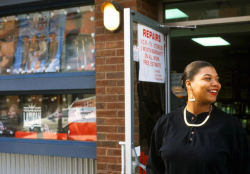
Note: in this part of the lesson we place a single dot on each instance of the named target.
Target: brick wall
(110, 87)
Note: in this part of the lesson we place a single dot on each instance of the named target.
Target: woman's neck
(196, 109)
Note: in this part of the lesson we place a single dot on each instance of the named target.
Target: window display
(49, 41)
(55, 117)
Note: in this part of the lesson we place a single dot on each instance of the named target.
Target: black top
(220, 146)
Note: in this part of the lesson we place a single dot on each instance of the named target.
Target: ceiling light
(211, 41)
(174, 13)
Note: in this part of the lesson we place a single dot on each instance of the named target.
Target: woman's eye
(208, 78)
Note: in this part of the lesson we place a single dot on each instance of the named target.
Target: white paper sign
(151, 55)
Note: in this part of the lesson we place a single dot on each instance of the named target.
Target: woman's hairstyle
(191, 70)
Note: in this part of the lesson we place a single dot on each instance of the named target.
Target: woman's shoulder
(172, 115)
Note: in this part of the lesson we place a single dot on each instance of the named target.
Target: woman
(199, 138)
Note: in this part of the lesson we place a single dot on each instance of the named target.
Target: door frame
(130, 17)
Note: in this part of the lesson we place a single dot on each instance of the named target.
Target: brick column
(110, 88)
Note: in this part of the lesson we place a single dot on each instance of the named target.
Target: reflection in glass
(59, 117)
(48, 41)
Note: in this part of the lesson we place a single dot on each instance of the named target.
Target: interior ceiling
(234, 56)
(238, 35)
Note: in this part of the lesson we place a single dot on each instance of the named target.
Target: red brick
(114, 152)
(105, 68)
(99, 60)
(145, 7)
(120, 52)
(136, 137)
(101, 136)
(99, 30)
(115, 75)
(107, 159)
(115, 44)
(115, 105)
(121, 113)
(120, 36)
(115, 90)
(120, 67)
(128, 4)
(97, 7)
(106, 113)
(99, 15)
(99, 75)
(103, 53)
(114, 60)
(100, 105)
(100, 90)
(121, 129)
(99, 22)
(106, 144)
(114, 167)
(106, 128)
(105, 37)
(102, 166)
(121, 98)
(106, 98)
(105, 82)
(100, 121)
(120, 82)
(118, 137)
(101, 151)
(99, 45)
(115, 121)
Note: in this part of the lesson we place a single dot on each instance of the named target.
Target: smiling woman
(199, 138)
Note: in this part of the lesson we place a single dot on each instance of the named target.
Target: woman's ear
(188, 84)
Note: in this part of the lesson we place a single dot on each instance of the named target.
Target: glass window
(55, 117)
(200, 10)
(60, 40)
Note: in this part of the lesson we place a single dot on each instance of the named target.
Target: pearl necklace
(196, 125)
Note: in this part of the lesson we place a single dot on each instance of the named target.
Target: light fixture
(28, 16)
(5, 19)
(16, 18)
(52, 13)
(78, 10)
(40, 15)
(91, 9)
(211, 41)
(65, 11)
(112, 16)
(174, 14)
(83, 67)
(92, 18)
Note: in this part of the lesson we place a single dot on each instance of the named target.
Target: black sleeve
(155, 164)
(241, 154)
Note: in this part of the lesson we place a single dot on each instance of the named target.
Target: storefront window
(60, 40)
(55, 117)
(200, 10)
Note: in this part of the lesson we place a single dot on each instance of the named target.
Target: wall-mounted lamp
(112, 16)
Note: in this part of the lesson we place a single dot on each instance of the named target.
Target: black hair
(191, 70)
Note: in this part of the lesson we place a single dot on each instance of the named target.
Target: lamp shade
(112, 16)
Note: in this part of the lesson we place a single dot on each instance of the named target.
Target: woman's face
(205, 85)
(12, 112)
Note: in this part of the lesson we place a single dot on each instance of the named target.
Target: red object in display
(82, 131)
(143, 160)
(55, 136)
(29, 135)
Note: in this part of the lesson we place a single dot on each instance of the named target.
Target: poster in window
(39, 44)
(79, 50)
(8, 43)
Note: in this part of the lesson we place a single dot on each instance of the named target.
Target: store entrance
(232, 62)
